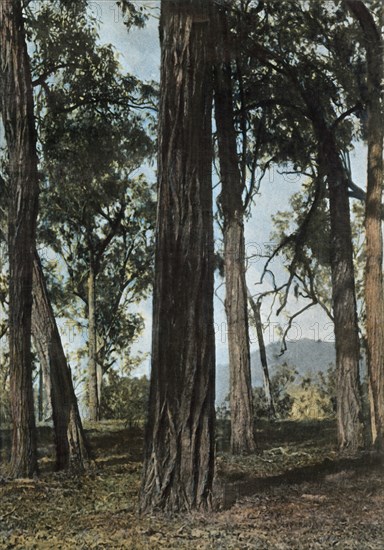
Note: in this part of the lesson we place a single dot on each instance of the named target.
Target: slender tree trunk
(349, 420)
(93, 395)
(179, 448)
(263, 354)
(99, 379)
(374, 291)
(40, 397)
(47, 387)
(242, 417)
(72, 450)
(19, 124)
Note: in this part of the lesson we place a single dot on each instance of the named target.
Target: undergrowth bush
(298, 397)
(281, 381)
(125, 398)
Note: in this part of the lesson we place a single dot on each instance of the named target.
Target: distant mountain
(307, 356)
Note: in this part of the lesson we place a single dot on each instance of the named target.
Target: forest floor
(299, 493)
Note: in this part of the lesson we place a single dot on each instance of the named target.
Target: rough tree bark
(374, 291)
(93, 393)
(179, 449)
(236, 308)
(72, 450)
(19, 125)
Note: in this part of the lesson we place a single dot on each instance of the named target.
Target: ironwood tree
(304, 87)
(233, 210)
(372, 41)
(17, 110)
(179, 441)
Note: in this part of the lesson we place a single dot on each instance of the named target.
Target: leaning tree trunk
(72, 450)
(349, 421)
(374, 297)
(263, 355)
(93, 394)
(179, 448)
(19, 125)
(242, 418)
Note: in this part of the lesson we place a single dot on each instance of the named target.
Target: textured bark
(242, 418)
(93, 393)
(20, 133)
(72, 450)
(374, 297)
(374, 274)
(349, 421)
(263, 354)
(179, 449)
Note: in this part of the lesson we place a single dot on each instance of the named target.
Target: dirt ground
(298, 493)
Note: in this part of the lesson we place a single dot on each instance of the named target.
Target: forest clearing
(191, 285)
(298, 493)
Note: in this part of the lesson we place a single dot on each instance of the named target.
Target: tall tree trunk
(349, 412)
(374, 297)
(242, 418)
(263, 355)
(350, 427)
(72, 450)
(93, 395)
(179, 448)
(19, 124)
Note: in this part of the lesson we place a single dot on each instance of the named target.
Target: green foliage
(135, 13)
(125, 398)
(308, 260)
(289, 52)
(315, 397)
(298, 398)
(281, 381)
(96, 206)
